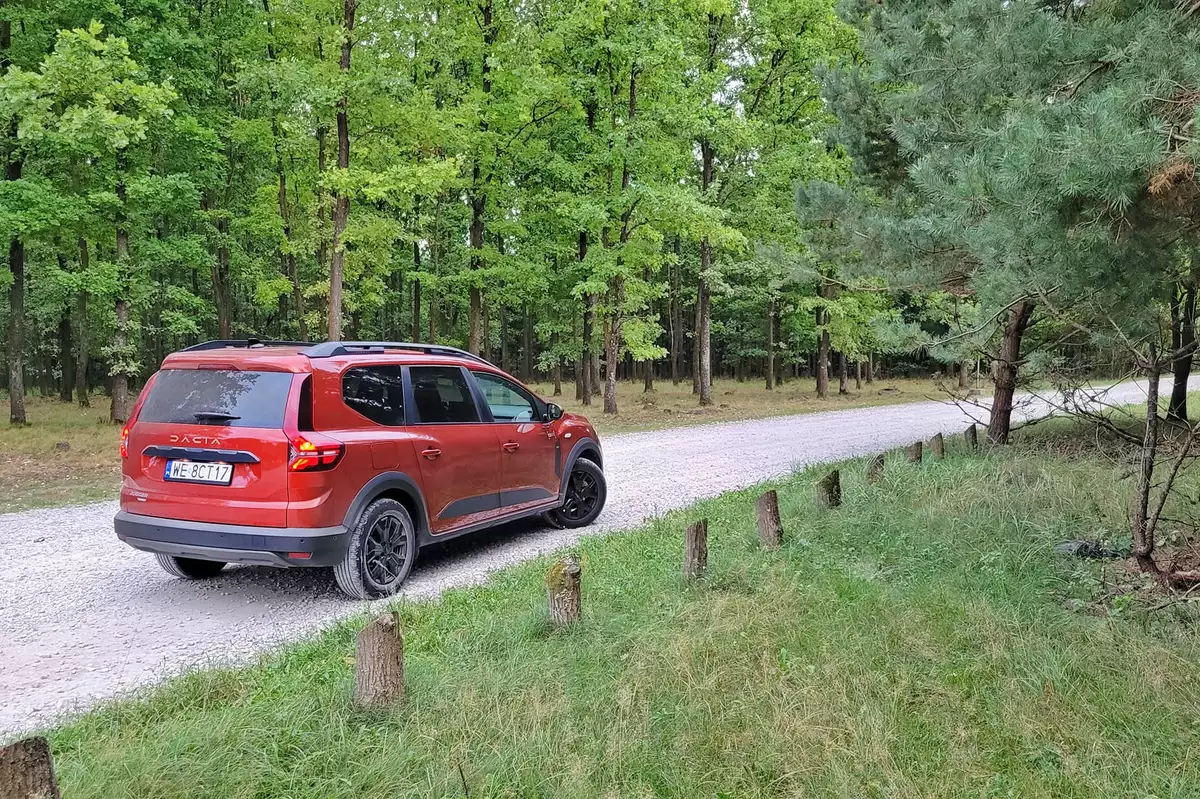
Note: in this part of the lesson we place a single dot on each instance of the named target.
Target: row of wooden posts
(379, 663)
(27, 772)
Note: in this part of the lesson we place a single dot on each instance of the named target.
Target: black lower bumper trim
(232, 543)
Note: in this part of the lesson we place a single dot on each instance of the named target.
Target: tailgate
(229, 422)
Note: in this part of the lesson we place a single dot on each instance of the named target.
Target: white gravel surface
(85, 617)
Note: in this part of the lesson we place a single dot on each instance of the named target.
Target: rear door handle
(511, 446)
(431, 453)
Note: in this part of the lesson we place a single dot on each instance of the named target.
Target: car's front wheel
(586, 492)
(382, 548)
(189, 568)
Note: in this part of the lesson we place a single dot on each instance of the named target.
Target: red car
(346, 454)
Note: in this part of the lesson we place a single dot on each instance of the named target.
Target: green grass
(915, 643)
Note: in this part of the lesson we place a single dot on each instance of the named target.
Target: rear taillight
(137, 408)
(311, 452)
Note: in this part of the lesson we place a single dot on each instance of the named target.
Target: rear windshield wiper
(225, 417)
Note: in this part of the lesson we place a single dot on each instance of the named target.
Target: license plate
(193, 472)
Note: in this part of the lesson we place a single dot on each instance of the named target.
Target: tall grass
(913, 643)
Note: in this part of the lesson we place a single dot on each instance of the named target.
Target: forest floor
(922, 640)
(68, 455)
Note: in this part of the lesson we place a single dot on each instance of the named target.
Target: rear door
(528, 468)
(208, 445)
(458, 453)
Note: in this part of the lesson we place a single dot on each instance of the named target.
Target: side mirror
(553, 411)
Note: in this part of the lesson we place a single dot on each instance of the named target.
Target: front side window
(377, 392)
(441, 395)
(507, 402)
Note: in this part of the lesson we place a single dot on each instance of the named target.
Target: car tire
(189, 568)
(382, 548)
(586, 493)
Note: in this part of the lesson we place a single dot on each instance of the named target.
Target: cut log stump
(875, 469)
(770, 529)
(562, 592)
(695, 550)
(971, 436)
(829, 490)
(27, 770)
(937, 445)
(379, 663)
(914, 452)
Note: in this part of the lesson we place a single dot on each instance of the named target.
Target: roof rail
(220, 344)
(331, 349)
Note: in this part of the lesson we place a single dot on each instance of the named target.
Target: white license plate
(193, 472)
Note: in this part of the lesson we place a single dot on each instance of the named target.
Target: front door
(458, 452)
(529, 469)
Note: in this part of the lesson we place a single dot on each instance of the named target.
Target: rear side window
(377, 392)
(218, 397)
(442, 395)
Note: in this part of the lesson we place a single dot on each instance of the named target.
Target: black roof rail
(220, 344)
(332, 349)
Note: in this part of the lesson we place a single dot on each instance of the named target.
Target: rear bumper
(232, 543)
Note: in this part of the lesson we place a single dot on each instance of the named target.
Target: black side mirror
(553, 412)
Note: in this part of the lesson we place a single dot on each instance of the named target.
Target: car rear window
(218, 397)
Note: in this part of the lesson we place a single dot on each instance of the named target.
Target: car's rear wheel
(189, 568)
(383, 546)
(586, 493)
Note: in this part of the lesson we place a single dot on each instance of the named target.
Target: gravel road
(85, 617)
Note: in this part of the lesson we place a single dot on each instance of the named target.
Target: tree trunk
(66, 356)
(870, 368)
(695, 550)
(416, 293)
(674, 315)
(16, 323)
(341, 197)
(696, 349)
(612, 343)
(703, 337)
(379, 663)
(563, 592)
(527, 347)
(1005, 372)
(858, 376)
(322, 235)
(1184, 330)
(823, 363)
(770, 368)
(82, 344)
(556, 368)
(121, 349)
(964, 374)
(478, 195)
(842, 374)
(580, 376)
(1143, 525)
(766, 513)
(222, 295)
(594, 351)
(27, 770)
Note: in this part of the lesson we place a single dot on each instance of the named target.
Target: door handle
(511, 446)
(431, 454)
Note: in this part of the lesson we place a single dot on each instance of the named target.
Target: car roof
(298, 356)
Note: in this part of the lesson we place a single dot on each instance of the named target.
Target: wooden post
(695, 550)
(937, 445)
(770, 529)
(27, 771)
(875, 469)
(829, 490)
(379, 663)
(562, 590)
(914, 452)
(972, 438)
